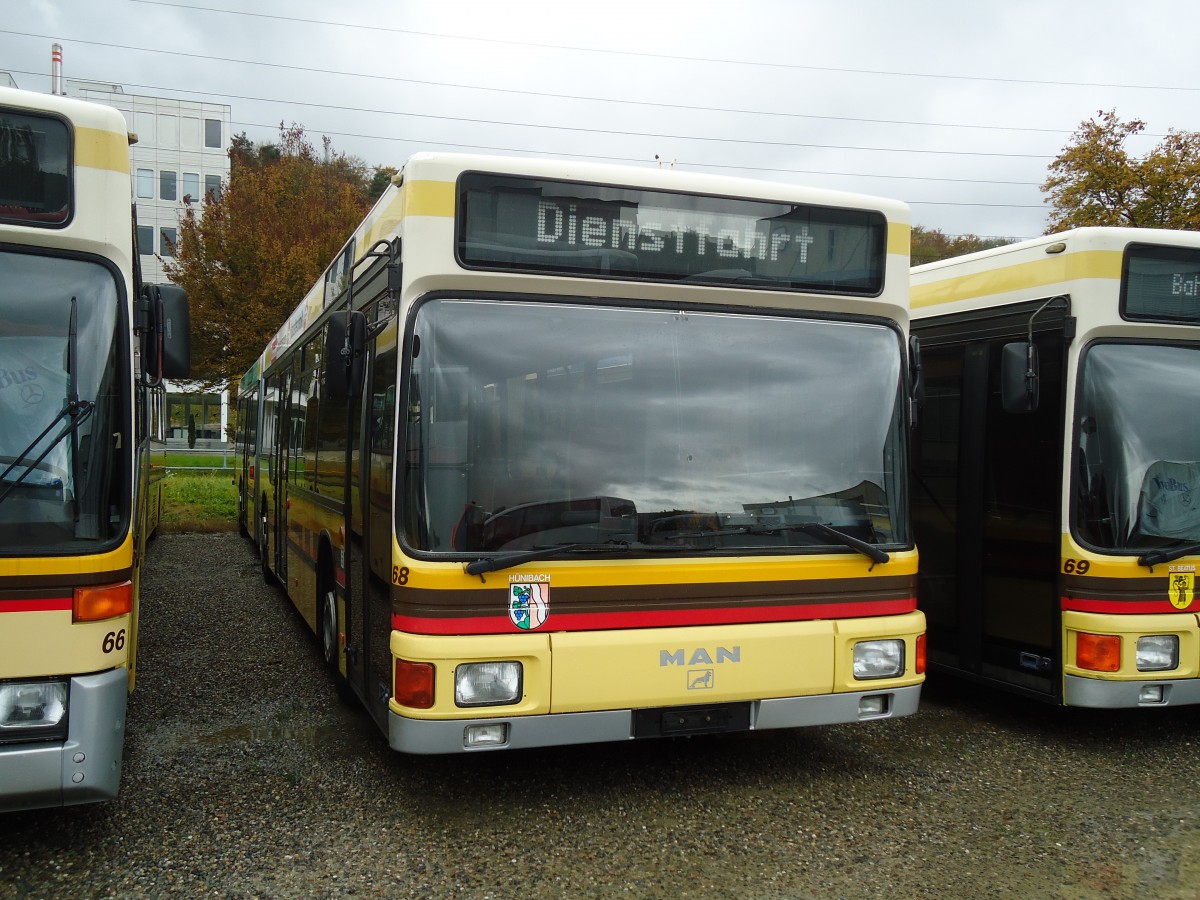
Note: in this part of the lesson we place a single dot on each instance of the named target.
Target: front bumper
(84, 768)
(448, 736)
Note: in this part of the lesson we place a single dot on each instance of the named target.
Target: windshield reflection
(60, 404)
(1139, 447)
(536, 424)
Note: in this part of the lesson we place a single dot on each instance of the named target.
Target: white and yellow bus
(1056, 490)
(76, 417)
(559, 453)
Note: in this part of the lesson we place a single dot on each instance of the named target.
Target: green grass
(204, 502)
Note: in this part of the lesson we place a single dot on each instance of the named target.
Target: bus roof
(81, 113)
(426, 186)
(1039, 267)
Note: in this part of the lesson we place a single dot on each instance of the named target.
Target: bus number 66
(114, 640)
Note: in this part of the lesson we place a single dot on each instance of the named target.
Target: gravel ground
(244, 776)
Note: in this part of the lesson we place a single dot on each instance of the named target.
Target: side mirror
(917, 373)
(1019, 377)
(175, 325)
(345, 345)
(163, 320)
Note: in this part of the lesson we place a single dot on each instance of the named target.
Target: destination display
(1161, 284)
(601, 231)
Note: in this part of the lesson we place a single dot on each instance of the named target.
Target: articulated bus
(1056, 490)
(558, 453)
(82, 349)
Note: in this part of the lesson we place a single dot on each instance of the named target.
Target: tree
(930, 245)
(1095, 181)
(259, 246)
(381, 177)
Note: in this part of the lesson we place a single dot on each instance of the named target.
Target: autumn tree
(252, 253)
(930, 245)
(1095, 180)
(381, 177)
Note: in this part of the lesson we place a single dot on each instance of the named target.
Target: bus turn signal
(414, 684)
(1098, 652)
(102, 602)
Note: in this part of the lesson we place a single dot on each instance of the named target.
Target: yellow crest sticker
(1181, 586)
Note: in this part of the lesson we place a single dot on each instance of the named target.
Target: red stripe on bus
(656, 618)
(1119, 607)
(36, 605)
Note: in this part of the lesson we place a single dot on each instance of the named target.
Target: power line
(572, 128)
(543, 94)
(634, 159)
(375, 27)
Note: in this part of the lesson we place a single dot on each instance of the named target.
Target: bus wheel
(328, 631)
(329, 628)
(262, 552)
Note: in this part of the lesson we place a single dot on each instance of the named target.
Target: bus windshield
(1139, 447)
(536, 424)
(60, 486)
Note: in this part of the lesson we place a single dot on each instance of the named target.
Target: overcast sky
(954, 107)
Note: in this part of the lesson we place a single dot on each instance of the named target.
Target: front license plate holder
(678, 721)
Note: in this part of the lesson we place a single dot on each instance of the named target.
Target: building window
(212, 187)
(194, 417)
(168, 240)
(145, 238)
(168, 131)
(167, 186)
(144, 123)
(191, 187)
(189, 132)
(145, 183)
(212, 133)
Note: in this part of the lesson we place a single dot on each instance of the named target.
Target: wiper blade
(820, 529)
(78, 411)
(1157, 557)
(870, 551)
(516, 558)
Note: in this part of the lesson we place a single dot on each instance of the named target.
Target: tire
(327, 635)
(268, 576)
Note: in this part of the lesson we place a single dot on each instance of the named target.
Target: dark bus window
(35, 170)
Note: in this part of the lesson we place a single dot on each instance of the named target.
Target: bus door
(373, 602)
(986, 500)
(275, 442)
(244, 447)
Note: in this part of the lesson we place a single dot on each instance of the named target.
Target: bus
(557, 453)
(1057, 464)
(83, 347)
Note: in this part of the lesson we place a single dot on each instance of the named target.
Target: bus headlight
(1157, 652)
(487, 683)
(33, 710)
(878, 659)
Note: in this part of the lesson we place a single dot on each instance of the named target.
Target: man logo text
(699, 657)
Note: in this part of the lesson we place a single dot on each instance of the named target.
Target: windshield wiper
(816, 528)
(1153, 558)
(78, 411)
(517, 557)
